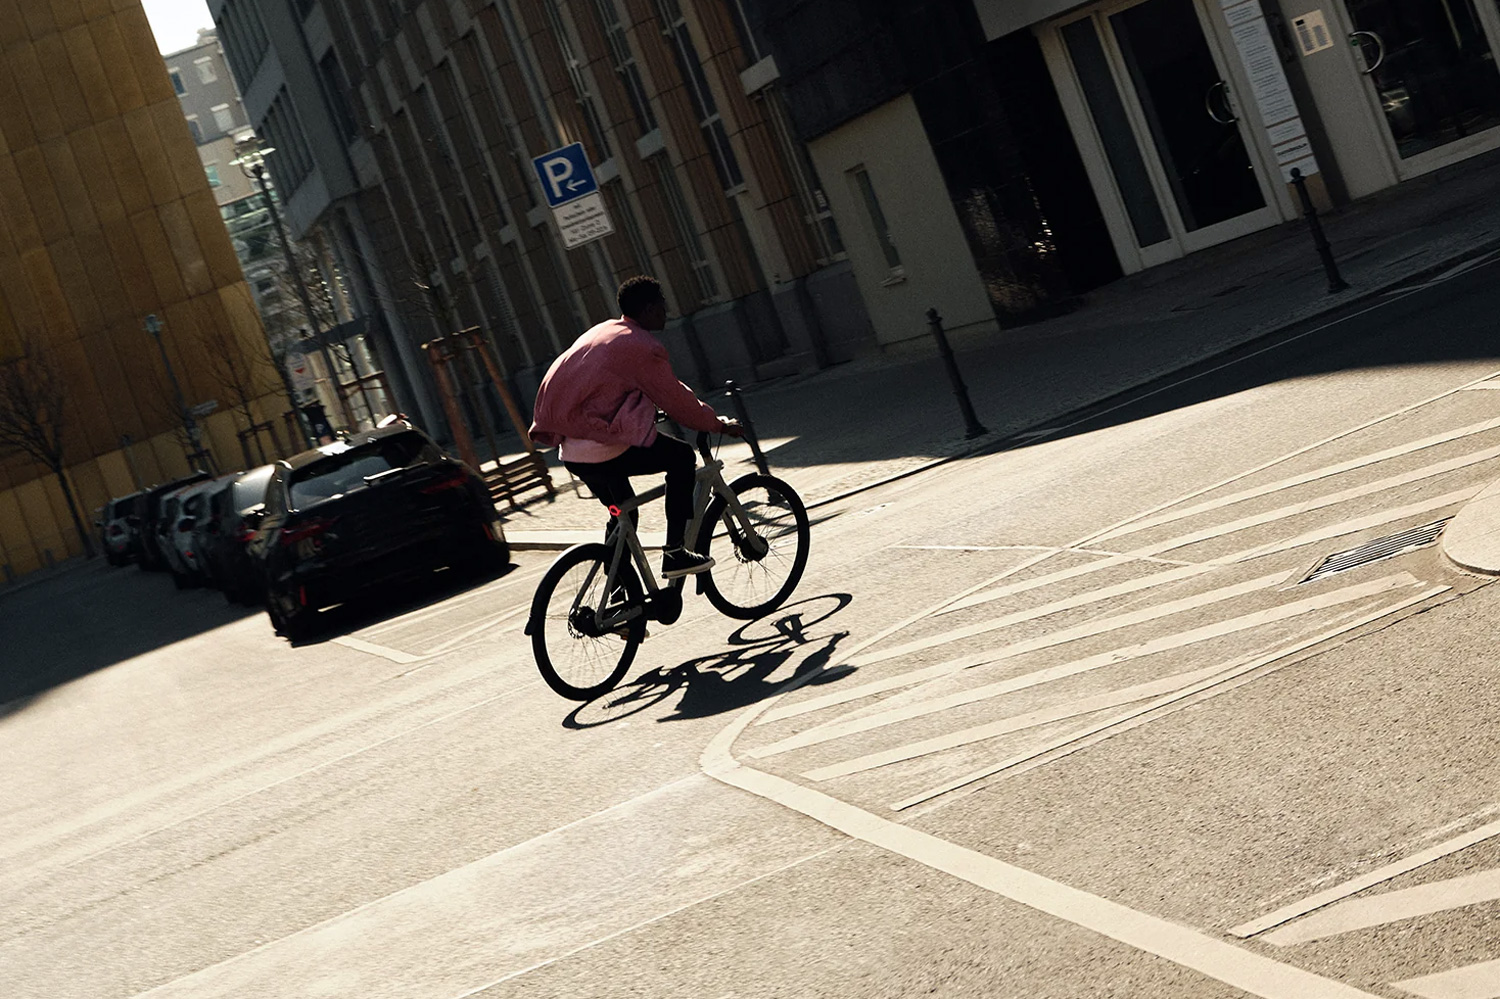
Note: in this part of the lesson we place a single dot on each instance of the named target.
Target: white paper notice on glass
(1312, 32)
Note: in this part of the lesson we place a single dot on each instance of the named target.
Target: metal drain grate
(1373, 551)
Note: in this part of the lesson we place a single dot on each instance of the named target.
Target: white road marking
(1164, 643)
(1015, 723)
(1364, 881)
(1236, 675)
(1200, 952)
(1390, 907)
(1086, 630)
(1330, 531)
(479, 628)
(1332, 499)
(371, 649)
(1475, 981)
(1298, 480)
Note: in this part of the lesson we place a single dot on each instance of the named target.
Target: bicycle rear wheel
(754, 574)
(573, 656)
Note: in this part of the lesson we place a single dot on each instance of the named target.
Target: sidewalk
(861, 423)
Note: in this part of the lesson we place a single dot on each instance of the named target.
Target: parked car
(169, 514)
(385, 504)
(192, 510)
(146, 511)
(225, 548)
(116, 534)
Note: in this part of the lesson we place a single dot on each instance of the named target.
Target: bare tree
(33, 419)
(244, 376)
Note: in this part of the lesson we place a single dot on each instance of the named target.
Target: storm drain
(1373, 551)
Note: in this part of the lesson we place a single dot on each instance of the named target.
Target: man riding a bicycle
(598, 403)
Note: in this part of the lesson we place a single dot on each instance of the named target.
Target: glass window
(177, 84)
(345, 472)
(877, 217)
(206, 71)
(223, 118)
(212, 169)
(687, 231)
(674, 27)
(196, 129)
(622, 57)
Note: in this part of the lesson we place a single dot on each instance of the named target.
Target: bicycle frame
(707, 482)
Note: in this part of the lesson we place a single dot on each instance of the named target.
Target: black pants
(610, 480)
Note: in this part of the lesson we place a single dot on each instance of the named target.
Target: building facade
(998, 158)
(427, 115)
(106, 218)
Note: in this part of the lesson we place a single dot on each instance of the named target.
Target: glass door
(1431, 68)
(1166, 123)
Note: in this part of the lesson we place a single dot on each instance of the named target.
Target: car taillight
(306, 529)
(245, 533)
(455, 481)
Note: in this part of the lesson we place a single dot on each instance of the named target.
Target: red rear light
(306, 529)
(455, 481)
(245, 533)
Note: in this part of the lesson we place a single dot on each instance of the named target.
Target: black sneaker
(681, 562)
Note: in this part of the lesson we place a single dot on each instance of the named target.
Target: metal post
(189, 424)
(733, 391)
(1336, 282)
(259, 171)
(972, 427)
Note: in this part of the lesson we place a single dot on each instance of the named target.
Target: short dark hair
(637, 293)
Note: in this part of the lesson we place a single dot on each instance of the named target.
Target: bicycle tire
(738, 569)
(553, 634)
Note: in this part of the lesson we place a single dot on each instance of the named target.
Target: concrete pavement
(855, 425)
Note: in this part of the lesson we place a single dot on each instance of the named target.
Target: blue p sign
(565, 174)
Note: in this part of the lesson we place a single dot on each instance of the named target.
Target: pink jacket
(607, 388)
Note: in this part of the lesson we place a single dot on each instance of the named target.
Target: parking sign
(565, 174)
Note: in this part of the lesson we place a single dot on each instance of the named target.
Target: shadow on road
(742, 675)
(384, 603)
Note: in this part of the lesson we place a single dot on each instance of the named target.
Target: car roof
(314, 455)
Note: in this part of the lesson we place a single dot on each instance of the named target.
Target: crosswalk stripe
(1217, 629)
(1298, 480)
(1392, 906)
(1086, 630)
(1378, 876)
(1015, 723)
(1354, 526)
(1474, 981)
(1295, 509)
(1235, 674)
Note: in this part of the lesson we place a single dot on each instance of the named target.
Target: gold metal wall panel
(67, 180)
(36, 181)
(83, 56)
(191, 266)
(72, 110)
(124, 166)
(157, 253)
(124, 86)
(103, 196)
(151, 154)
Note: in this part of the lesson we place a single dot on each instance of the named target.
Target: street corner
(1471, 540)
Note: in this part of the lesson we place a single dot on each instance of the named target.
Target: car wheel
(293, 624)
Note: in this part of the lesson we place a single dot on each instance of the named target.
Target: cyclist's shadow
(748, 672)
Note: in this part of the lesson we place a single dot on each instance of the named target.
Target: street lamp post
(252, 163)
(189, 423)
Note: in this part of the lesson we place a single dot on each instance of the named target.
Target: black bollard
(1336, 282)
(972, 427)
(733, 391)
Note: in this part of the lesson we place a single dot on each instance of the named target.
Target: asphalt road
(1067, 720)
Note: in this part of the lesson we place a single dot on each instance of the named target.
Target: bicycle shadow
(745, 674)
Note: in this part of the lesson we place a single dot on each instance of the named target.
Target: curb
(1029, 435)
(1471, 541)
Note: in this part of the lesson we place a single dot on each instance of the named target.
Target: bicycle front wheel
(576, 657)
(755, 572)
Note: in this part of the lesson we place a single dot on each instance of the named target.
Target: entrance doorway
(1159, 125)
(1431, 70)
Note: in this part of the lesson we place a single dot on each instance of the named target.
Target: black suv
(381, 505)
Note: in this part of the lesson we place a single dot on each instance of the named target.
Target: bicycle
(589, 614)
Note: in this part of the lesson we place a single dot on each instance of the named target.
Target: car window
(346, 471)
